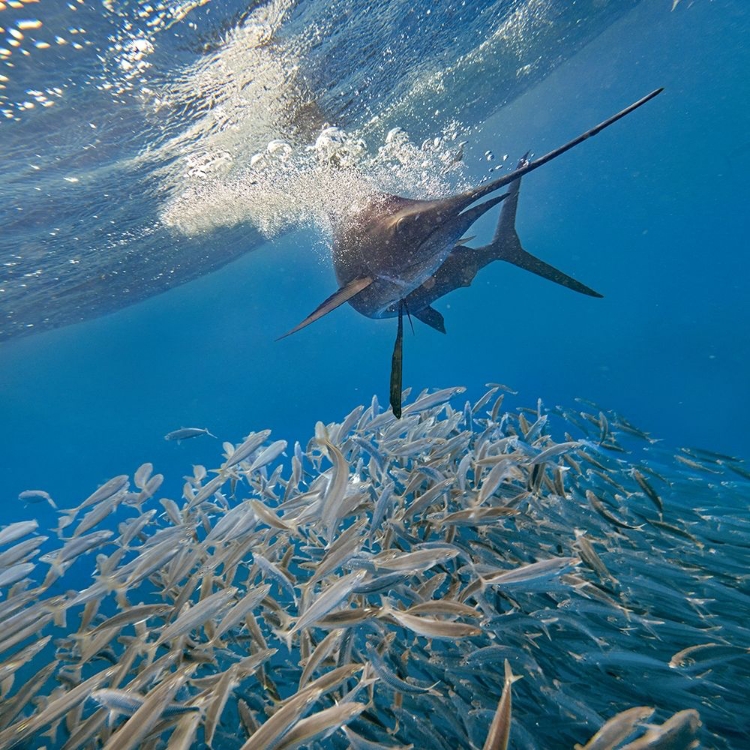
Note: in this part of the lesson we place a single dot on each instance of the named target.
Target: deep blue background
(653, 213)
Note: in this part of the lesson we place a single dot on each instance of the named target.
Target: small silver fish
(328, 600)
(18, 530)
(16, 573)
(679, 731)
(617, 729)
(185, 433)
(429, 627)
(539, 570)
(37, 496)
(499, 734)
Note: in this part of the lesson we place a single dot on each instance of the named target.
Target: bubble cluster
(285, 185)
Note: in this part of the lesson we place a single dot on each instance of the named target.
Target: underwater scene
(288, 460)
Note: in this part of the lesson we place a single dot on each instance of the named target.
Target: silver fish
(136, 614)
(543, 569)
(679, 731)
(185, 433)
(328, 600)
(617, 729)
(416, 561)
(228, 681)
(499, 734)
(37, 496)
(267, 455)
(197, 615)
(273, 730)
(431, 628)
(139, 725)
(246, 449)
(15, 531)
(554, 450)
(21, 551)
(320, 723)
(127, 703)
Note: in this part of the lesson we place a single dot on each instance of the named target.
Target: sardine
(37, 496)
(185, 433)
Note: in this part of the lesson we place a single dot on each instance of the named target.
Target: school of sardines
(457, 578)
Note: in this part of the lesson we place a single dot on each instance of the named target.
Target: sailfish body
(396, 255)
(398, 244)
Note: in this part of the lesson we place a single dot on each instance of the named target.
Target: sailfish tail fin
(506, 224)
(506, 244)
(529, 262)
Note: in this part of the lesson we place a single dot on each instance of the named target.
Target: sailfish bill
(392, 253)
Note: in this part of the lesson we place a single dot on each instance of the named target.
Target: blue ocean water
(652, 213)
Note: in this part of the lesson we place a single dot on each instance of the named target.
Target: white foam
(314, 185)
(257, 151)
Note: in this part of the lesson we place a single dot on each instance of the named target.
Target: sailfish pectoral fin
(335, 300)
(397, 364)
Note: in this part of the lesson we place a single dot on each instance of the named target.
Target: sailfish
(398, 255)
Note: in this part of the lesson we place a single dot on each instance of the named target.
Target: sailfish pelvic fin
(397, 364)
(431, 317)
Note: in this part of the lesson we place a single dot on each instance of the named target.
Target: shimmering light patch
(249, 160)
(180, 12)
(120, 63)
(283, 185)
(125, 41)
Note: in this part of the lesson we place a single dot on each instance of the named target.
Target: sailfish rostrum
(398, 255)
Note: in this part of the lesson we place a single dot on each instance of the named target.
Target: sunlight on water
(259, 151)
(176, 121)
(284, 186)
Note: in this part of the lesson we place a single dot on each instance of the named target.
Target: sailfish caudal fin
(519, 257)
(463, 263)
(506, 245)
